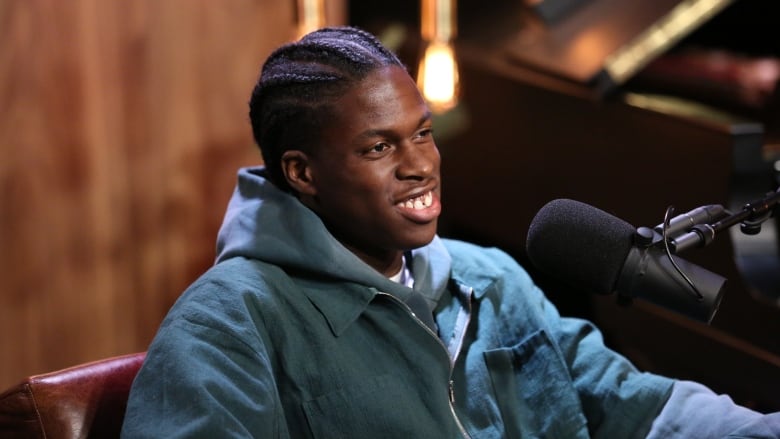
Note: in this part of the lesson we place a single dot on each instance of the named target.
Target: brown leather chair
(84, 401)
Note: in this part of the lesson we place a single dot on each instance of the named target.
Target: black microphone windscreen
(580, 245)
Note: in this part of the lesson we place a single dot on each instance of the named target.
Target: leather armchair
(84, 401)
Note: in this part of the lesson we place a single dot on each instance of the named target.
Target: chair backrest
(84, 401)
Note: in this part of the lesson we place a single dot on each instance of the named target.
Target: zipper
(451, 383)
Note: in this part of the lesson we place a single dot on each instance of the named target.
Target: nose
(418, 162)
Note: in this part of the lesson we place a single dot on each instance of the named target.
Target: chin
(419, 241)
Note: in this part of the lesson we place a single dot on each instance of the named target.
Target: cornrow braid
(299, 83)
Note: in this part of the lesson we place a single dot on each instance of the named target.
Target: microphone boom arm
(750, 218)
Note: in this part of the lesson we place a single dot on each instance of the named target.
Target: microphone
(590, 249)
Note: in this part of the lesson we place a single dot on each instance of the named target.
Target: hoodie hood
(264, 223)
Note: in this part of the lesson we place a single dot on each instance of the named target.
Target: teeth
(420, 202)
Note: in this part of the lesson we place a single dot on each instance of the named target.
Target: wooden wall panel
(121, 127)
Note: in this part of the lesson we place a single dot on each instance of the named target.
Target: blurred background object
(310, 15)
(437, 74)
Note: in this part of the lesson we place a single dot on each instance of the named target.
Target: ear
(296, 169)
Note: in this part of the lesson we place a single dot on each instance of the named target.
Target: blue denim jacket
(290, 335)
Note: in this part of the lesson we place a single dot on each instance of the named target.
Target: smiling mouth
(424, 201)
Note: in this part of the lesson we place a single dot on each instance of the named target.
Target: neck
(387, 263)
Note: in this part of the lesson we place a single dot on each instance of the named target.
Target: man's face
(375, 175)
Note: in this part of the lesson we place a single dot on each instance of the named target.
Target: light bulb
(437, 76)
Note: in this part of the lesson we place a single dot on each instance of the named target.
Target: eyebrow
(367, 134)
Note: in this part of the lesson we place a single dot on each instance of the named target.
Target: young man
(334, 310)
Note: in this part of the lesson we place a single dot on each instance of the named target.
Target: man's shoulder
(470, 253)
(241, 269)
(232, 295)
(469, 260)
(237, 276)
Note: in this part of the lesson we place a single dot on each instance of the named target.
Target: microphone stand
(750, 218)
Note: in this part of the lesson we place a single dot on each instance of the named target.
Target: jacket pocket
(534, 390)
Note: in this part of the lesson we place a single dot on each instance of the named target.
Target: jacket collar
(431, 271)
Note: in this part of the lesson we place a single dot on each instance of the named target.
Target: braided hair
(300, 82)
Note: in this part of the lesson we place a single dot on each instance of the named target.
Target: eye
(425, 133)
(379, 147)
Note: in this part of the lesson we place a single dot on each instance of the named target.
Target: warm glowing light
(311, 16)
(437, 20)
(437, 77)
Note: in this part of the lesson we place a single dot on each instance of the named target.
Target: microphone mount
(653, 256)
(750, 218)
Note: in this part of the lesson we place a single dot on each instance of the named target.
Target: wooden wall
(122, 124)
